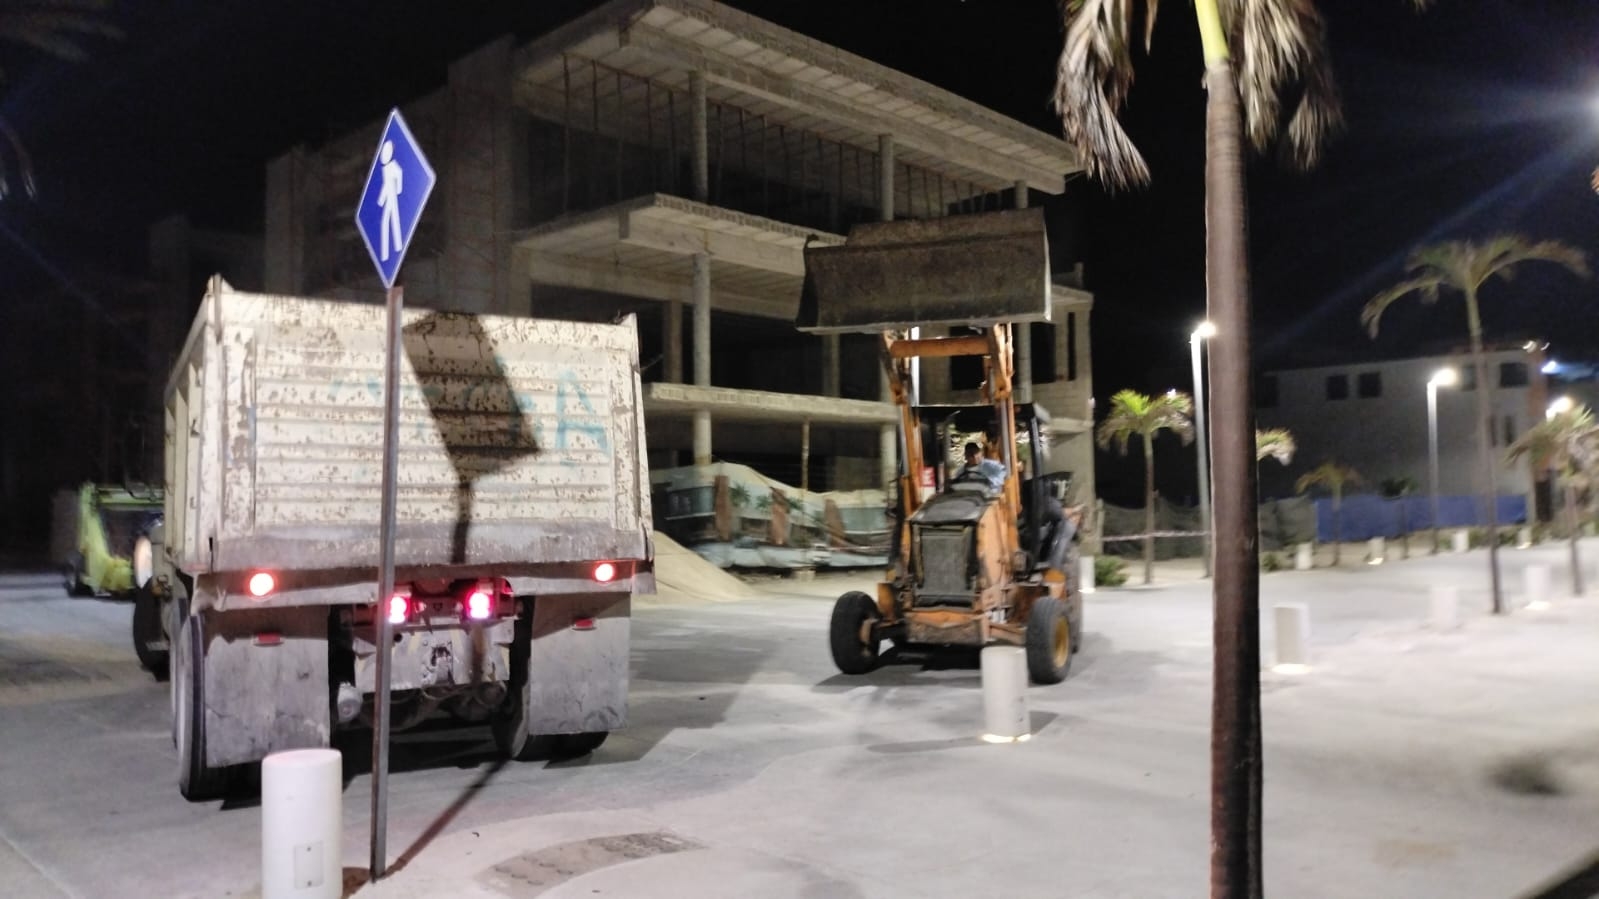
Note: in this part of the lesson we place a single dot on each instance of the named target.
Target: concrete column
(1023, 332)
(887, 438)
(702, 354)
(672, 341)
(699, 124)
(832, 362)
(885, 177)
(888, 455)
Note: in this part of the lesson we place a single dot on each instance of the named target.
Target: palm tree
(56, 28)
(1332, 477)
(1465, 267)
(1275, 443)
(1564, 441)
(1132, 414)
(1283, 86)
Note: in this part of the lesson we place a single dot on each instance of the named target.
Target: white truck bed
(521, 440)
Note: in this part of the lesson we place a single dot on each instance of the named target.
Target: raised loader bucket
(958, 270)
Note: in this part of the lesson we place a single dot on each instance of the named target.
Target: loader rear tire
(854, 653)
(1049, 641)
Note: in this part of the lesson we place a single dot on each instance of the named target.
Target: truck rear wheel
(197, 781)
(149, 634)
(854, 646)
(1049, 641)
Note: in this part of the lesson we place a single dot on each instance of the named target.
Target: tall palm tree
(1132, 414)
(55, 28)
(1332, 477)
(1464, 266)
(1564, 442)
(1282, 87)
(1275, 443)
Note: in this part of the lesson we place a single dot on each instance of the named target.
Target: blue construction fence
(1367, 515)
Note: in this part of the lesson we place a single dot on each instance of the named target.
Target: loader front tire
(853, 635)
(1049, 641)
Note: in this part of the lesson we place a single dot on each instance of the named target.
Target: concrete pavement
(1407, 762)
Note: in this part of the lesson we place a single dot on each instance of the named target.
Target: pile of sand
(681, 575)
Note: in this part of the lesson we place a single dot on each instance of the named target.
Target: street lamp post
(1205, 329)
(1445, 377)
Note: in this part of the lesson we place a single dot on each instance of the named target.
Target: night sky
(1476, 117)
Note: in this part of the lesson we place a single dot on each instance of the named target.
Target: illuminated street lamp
(1205, 330)
(1443, 377)
(1560, 406)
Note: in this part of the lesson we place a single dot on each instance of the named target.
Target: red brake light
(399, 608)
(479, 605)
(262, 583)
(605, 572)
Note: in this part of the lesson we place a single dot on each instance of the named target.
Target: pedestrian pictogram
(397, 188)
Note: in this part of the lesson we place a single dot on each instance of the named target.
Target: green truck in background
(102, 538)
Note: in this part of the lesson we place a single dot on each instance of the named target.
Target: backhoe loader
(981, 560)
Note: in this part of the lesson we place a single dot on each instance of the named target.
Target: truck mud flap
(266, 683)
(578, 663)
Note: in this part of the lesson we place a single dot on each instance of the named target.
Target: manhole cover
(534, 873)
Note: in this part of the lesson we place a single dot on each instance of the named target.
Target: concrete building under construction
(671, 159)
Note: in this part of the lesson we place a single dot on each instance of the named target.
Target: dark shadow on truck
(488, 432)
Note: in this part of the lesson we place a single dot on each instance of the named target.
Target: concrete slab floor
(1406, 762)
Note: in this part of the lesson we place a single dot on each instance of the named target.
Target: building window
(1266, 392)
(1369, 385)
(1043, 338)
(1338, 387)
(1512, 374)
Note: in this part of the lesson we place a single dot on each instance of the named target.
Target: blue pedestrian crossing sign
(391, 204)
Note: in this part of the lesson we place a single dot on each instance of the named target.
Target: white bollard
(1302, 558)
(1375, 548)
(1085, 573)
(1535, 581)
(1460, 541)
(1524, 538)
(302, 853)
(1293, 635)
(1445, 608)
(1005, 717)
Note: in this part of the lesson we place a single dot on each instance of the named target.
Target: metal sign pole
(384, 640)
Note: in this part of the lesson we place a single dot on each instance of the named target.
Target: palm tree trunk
(1485, 434)
(1149, 509)
(1338, 526)
(1235, 748)
(1571, 519)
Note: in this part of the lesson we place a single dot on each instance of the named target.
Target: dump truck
(987, 557)
(101, 537)
(522, 528)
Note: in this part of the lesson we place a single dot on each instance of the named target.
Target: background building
(1373, 417)
(671, 159)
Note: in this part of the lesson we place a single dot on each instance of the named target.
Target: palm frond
(1371, 313)
(1133, 414)
(1331, 475)
(1275, 443)
(1284, 75)
(1093, 76)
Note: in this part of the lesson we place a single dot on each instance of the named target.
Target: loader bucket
(958, 270)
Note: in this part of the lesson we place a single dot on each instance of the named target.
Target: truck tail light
(605, 572)
(479, 605)
(583, 624)
(399, 610)
(261, 583)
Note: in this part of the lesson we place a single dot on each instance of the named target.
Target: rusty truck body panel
(521, 474)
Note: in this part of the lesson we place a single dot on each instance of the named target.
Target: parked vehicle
(523, 526)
